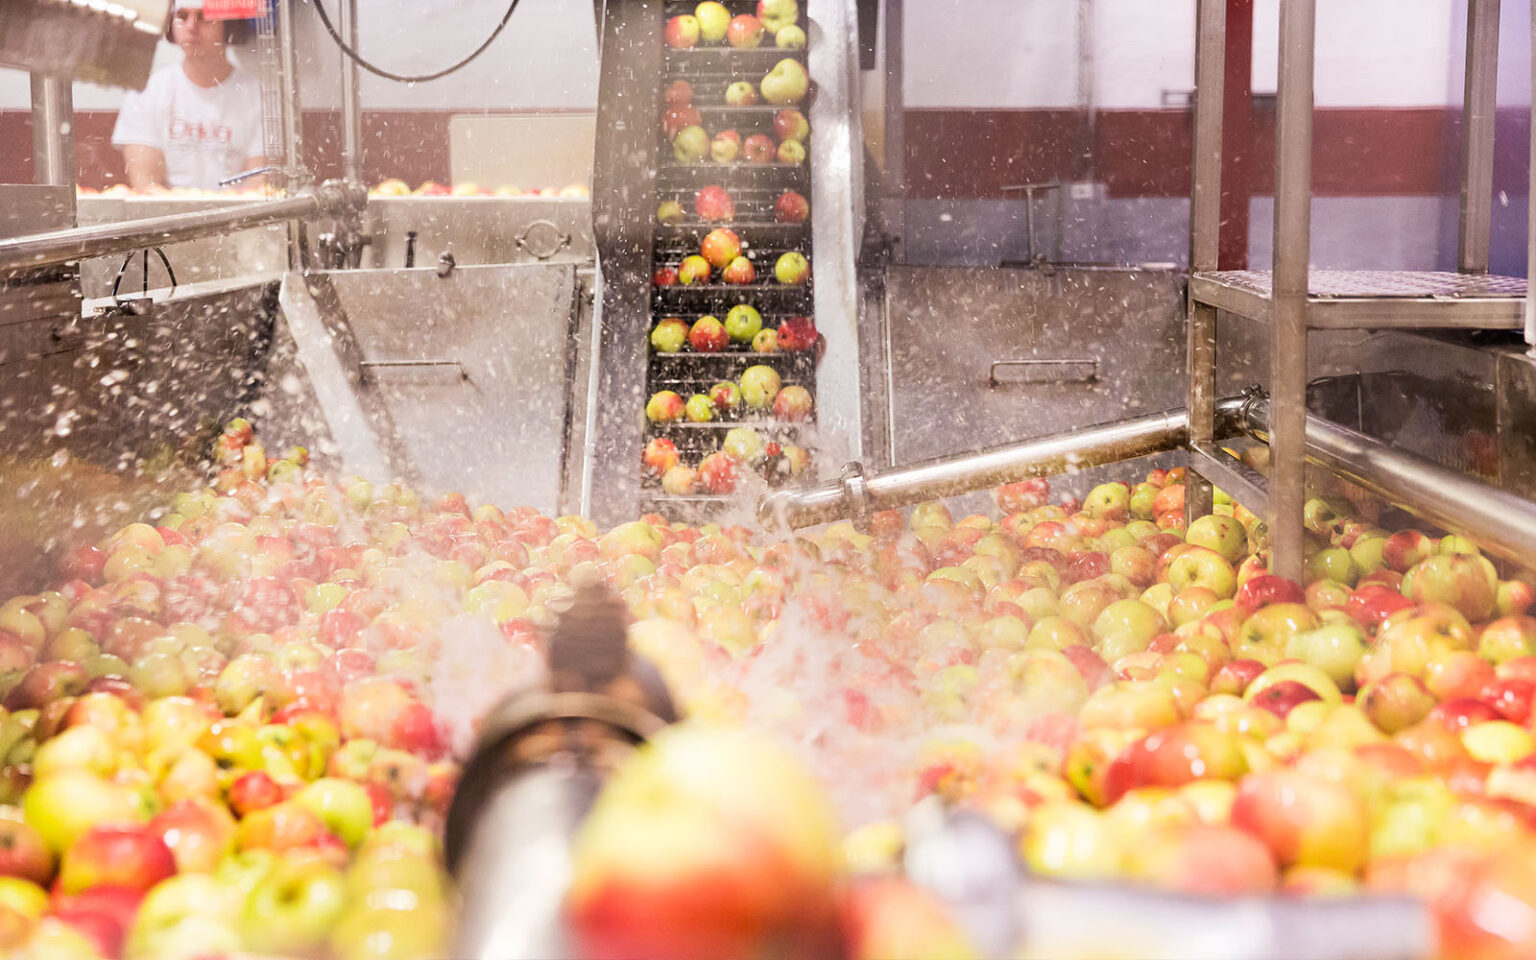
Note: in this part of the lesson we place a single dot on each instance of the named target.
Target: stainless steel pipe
(1500, 522)
(856, 495)
(64, 246)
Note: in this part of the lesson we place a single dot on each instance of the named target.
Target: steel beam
(1477, 128)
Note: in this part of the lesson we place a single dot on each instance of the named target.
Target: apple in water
(740, 93)
(669, 211)
(694, 270)
(660, 456)
(798, 333)
(713, 202)
(793, 403)
(664, 406)
(23, 853)
(342, 805)
(789, 38)
(791, 207)
(721, 245)
(743, 322)
(786, 83)
(759, 148)
(745, 445)
(790, 124)
(766, 341)
(1461, 580)
(665, 277)
(707, 335)
(760, 383)
(699, 409)
(739, 271)
(777, 14)
(682, 31)
(1303, 819)
(131, 856)
(679, 480)
(725, 146)
(718, 473)
(669, 335)
(791, 151)
(713, 19)
(744, 32)
(726, 397)
(293, 910)
(791, 268)
(679, 93)
(1225, 535)
(691, 144)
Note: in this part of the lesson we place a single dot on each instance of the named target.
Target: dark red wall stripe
(961, 153)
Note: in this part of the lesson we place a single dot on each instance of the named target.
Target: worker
(198, 122)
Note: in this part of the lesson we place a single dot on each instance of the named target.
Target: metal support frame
(53, 132)
(351, 102)
(1205, 236)
(293, 119)
(1530, 262)
(1477, 129)
(1293, 250)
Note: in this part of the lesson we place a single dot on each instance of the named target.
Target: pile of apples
(722, 250)
(431, 188)
(745, 451)
(712, 23)
(224, 731)
(743, 327)
(682, 124)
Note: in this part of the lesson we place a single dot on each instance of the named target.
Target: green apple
(691, 144)
(760, 383)
(292, 911)
(786, 83)
(1202, 567)
(669, 335)
(789, 38)
(1335, 648)
(742, 322)
(23, 896)
(1107, 499)
(1367, 554)
(65, 805)
(380, 933)
(1333, 563)
(344, 806)
(1129, 617)
(778, 14)
(669, 211)
(186, 916)
(699, 409)
(713, 18)
(1225, 535)
(791, 268)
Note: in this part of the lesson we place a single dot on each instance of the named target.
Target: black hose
(399, 77)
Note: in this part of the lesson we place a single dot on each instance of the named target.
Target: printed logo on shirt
(183, 129)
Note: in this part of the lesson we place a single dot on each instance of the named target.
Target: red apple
(714, 203)
(1305, 821)
(676, 118)
(198, 833)
(22, 851)
(759, 148)
(718, 473)
(707, 335)
(744, 32)
(123, 856)
(797, 334)
(693, 271)
(720, 247)
(738, 271)
(791, 207)
(660, 456)
(682, 31)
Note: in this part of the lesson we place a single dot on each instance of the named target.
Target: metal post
(1477, 127)
(895, 201)
(53, 133)
(293, 120)
(1292, 251)
(1205, 236)
(351, 102)
(1530, 236)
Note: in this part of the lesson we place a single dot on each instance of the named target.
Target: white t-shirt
(206, 134)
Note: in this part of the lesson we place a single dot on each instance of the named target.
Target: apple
(1507, 638)
(185, 917)
(744, 32)
(759, 386)
(726, 397)
(124, 856)
(62, 807)
(739, 271)
(720, 246)
(792, 403)
(679, 480)
(342, 805)
(660, 456)
(713, 202)
(679, 93)
(749, 839)
(664, 406)
(1303, 820)
(1223, 534)
(665, 276)
(669, 211)
(23, 853)
(674, 119)
(791, 268)
(717, 473)
(1236, 676)
(293, 910)
(199, 833)
(789, 38)
(1070, 841)
(1513, 598)
(759, 148)
(1335, 648)
(790, 124)
(799, 333)
(669, 335)
(742, 322)
(690, 144)
(740, 93)
(766, 341)
(698, 409)
(1406, 548)
(725, 146)
(1202, 567)
(791, 207)
(693, 271)
(708, 335)
(683, 31)
(713, 19)
(778, 14)
(791, 151)
(1461, 580)
(786, 84)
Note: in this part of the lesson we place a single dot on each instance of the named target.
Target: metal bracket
(855, 494)
(401, 364)
(559, 241)
(1089, 362)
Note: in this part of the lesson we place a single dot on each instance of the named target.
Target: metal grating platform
(1375, 298)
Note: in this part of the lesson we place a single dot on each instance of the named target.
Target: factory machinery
(500, 347)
